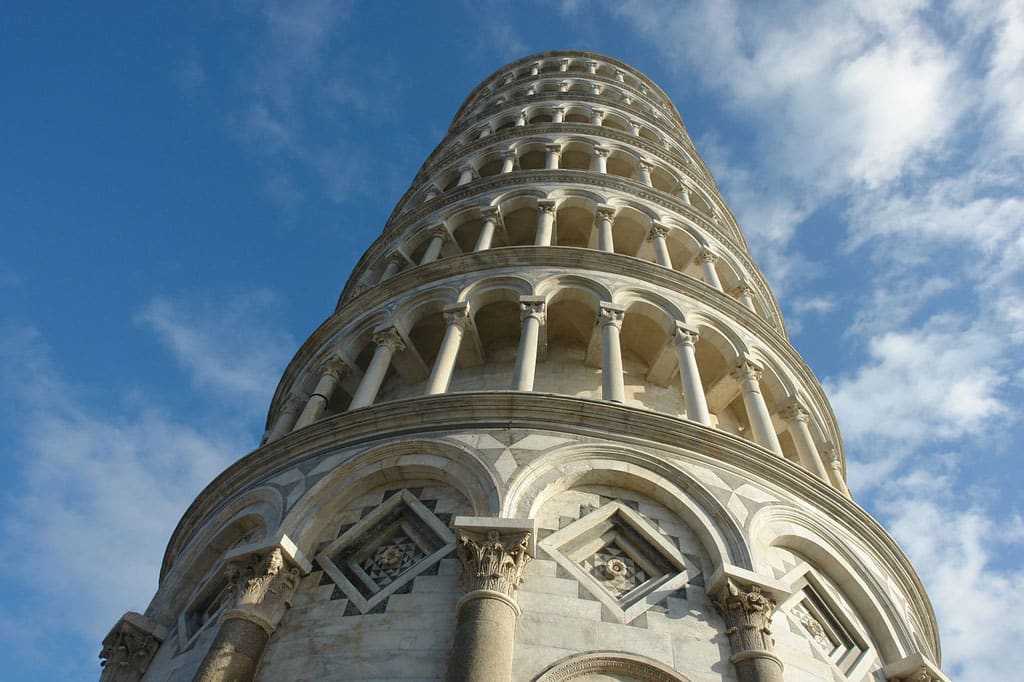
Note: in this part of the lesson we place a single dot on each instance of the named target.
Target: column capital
(620, 75)
(457, 314)
(491, 213)
(596, 88)
(746, 368)
(793, 411)
(390, 338)
(494, 552)
(602, 151)
(129, 647)
(657, 230)
(563, 64)
(706, 255)
(830, 454)
(558, 107)
(532, 306)
(546, 205)
(645, 164)
(610, 314)
(591, 65)
(563, 86)
(743, 289)
(262, 586)
(508, 154)
(685, 335)
(441, 231)
(335, 367)
(605, 211)
(748, 615)
(553, 147)
(534, 68)
(597, 113)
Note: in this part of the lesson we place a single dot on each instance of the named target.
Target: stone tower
(554, 430)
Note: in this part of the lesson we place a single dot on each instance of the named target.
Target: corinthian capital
(748, 617)
(494, 553)
(129, 647)
(262, 586)
(389, 337)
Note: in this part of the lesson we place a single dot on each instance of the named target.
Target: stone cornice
(419, 417)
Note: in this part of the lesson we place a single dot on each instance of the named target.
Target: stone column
(285, 420)
(612, 387)
(620, 75)
(558, 114)
(545, 222)
(491, 217)
(707, 259)
(388, 341)
(554, 152)
(534, 68)
(466, 175)
(457, 319)
(635, 125)
(129, 648)
(748, 618)
(262, 587)
(596, 89)
(657, 237)
(563, 86)
(645, 173)
(685, 339)
(684, 194)
(748, 374)
(394, 263)
(596, 116)
(438, 237)
(486, 131)
(521, 118)
(745, 295)
(563, 65)
(605, 215)
(591, 67)
(797, 418)
(532, 315)
(331, 374)
(601, 159)
(835, 470)
(494, 554)
(508, 161)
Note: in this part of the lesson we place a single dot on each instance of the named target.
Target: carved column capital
(611, 314)
(602, 151)
(546, 205)
(794, 411)
(746, 369)
(742, 289)
(457, 314)
(262, 585)
(645, 165)
(491, 213)
(129, 648)
(530, 306)
(494, 553)
(748, 616)
(441, 231)
(706, 255)
(657, 230)
(597, 114)
(335, 367)
(685, 336)
(606, 212)
(390, 338)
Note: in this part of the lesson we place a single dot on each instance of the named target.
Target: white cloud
(814, 304)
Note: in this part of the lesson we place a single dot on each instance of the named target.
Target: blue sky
(183, 192)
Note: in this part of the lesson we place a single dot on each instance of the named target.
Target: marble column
(605, 215)
(534, 68)
(684, 194)
(508, 161)
(591, 67)
(457, 320)
(596, 89)
(521, 118)
(620, 75)
(438, 237)
(391, 269)
(129, 647)
(491, 218)
(563, 86)
(657, 237)
(707, 259)
(645, 173)
(262, 588)
(531, 310)
(748, 616)
(601, 159)
(494, 554)
(613, 387)
(545, 222)
(596, 116)
(563, 65)
(285, 420)
(388, 342)
(744, 293)
(635, 126)
(685, 339)
(466, 175)
(331, 373)
(748, 374)
(835, 470)
(797, 418)
(554, 152)
(558, 114)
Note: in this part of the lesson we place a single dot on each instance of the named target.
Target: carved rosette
(129, 648)
(263, 587)
(493, 561)
(748, 617)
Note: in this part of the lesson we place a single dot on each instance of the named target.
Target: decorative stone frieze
(129, 648)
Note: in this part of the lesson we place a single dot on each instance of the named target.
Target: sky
(184, 188)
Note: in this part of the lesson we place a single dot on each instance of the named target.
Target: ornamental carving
(261, 586)
(129, 648)
(389, 338)
(611, 315)
(492, 561)
(748, 617)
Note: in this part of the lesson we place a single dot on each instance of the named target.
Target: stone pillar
(457, 320)
(532, 315)
(437, 239)
(563, 86)
(563, 65)
(466, 175)
(596, 89)
(494, 554)
(554, 152)
(612, 387)
(689, 376)
(657, 237)
(591, 66)
(534, 68)
(797, 418)
(605, 215)
(748, 618)
(394, 263)
(558, 114)
(635, 126)
(748, 374)
(545, 222)
(331, 374)
(388, 341)
(645, 173)
(620, 75)
(521, 118)
(835, 470)
(601, 159)
(707, 259)
(745, 295)
(684, 194)
(508, 161)
(596, 116)
(285, 420)
(129, 648)
(491, 217)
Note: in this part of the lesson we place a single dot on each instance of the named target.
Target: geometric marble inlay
(390, 546)
(621, 558)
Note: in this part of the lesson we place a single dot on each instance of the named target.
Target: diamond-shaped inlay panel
(388, 547)
(621, 558)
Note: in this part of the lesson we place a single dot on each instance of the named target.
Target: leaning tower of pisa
(553, 430)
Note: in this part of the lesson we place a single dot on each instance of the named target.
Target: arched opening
(574, 223)
(629, 230)
(622, 164)
(575, 156)
(571, 321)
(648, 360)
